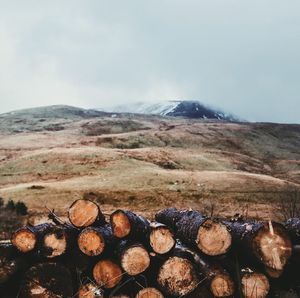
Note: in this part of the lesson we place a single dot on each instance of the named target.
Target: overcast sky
(241, 56)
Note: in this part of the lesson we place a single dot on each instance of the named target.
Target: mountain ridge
(176, 108)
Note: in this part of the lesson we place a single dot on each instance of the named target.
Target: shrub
(11, 205)
(21, 208)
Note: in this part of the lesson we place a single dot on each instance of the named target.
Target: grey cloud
(242, 56)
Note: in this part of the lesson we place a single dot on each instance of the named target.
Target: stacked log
(183, 253)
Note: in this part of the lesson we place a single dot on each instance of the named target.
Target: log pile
(182, 253)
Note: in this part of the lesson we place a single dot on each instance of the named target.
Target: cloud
(241, 56)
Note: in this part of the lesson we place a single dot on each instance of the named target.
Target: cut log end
(135, 260)
(91, 242)
(162, 240)
(24, 240)
(177, 276)
(90, 290)
(255, 285)
(55, 244)
(149, 293)
(83, 213)
(222, 286)
(120, 224)
(213, 238)
(107, 274)
(272, 246)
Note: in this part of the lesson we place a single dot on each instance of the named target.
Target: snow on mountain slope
(175, 108)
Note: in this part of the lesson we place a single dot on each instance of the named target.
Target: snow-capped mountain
(175, 108)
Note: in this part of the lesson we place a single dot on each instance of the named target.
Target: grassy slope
(148, 162)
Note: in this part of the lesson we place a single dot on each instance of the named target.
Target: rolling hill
(145, 162)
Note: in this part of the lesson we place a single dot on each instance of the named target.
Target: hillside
(148, 162)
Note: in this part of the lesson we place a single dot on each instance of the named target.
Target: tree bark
(47, 280)
(47, 240)
(209, 235)
(92, 241)
(83, 213)
(268, 242)
(128, 224)
(217, 279)
(161, 238)
(10, 262)
(293, 227)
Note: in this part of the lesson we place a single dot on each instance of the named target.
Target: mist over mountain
(175, 108)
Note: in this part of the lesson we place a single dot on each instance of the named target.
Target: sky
(239, 55)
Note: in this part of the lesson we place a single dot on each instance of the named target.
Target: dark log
(268, 242)
(200, 292)
(47, 239)
(134, 257)
(293, 227)
(92, 241)
(90, 290)
(177, 275)
(149, 293)
(83, 213)
(10, 262)
(128, 224)
(210, 236)
(161, 238)
(217, 279)
(56, 240)
(296, 253)
(254, 284)
(107, 274)
(47, 280)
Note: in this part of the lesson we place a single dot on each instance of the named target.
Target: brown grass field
(145, 163)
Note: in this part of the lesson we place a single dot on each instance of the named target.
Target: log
(47, 280)
(25, 238)
(10, 263)
(92, 241)
(177, 275)
(209, 235)
(55, 240)
(254, 284)
(149, 293)
(128, 224)
(134, 257)
(47, 239)
(268, 242)
(161, 238)
(293, 227)
(83, 213)
(217, 279)
(90, 290)
(107, 273)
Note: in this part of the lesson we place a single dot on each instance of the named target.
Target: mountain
(54, 111)
(49, 118)
(175, 108)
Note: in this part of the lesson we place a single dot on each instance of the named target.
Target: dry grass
(239, 168)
